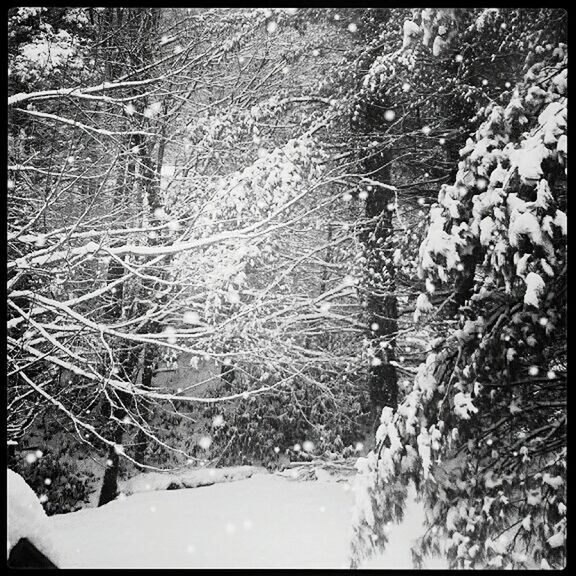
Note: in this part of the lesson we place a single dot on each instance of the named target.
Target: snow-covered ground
(265, 521)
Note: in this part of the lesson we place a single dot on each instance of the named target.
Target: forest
(289, 238)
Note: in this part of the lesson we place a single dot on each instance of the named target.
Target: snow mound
(264, 521)
(320, 470)
(26, 517)
(187, 478)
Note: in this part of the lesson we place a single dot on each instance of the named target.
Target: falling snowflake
(170, 333)
(174, 225)
(218, 421)
(205, 442)
(191, 317)
(271, 26)
(47, 481)
(426, 130)
(152, 110)
(308, 445)
(481, 183)
(389, 115)
(230, 528)
(160, 213)
(374, 326)
(233, 297)
(352, 27)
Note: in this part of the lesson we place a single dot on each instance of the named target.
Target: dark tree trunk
(140, 30)
(381, 304)
(109, 489)
(141, 441)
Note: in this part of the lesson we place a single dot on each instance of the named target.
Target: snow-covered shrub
(482, 427)
(47, 45)
(57, 481)
(296, 422)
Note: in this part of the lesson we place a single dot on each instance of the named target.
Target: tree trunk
(109, 489)
(137, 184)
(381, 304)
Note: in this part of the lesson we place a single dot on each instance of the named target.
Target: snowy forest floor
(264, 521)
